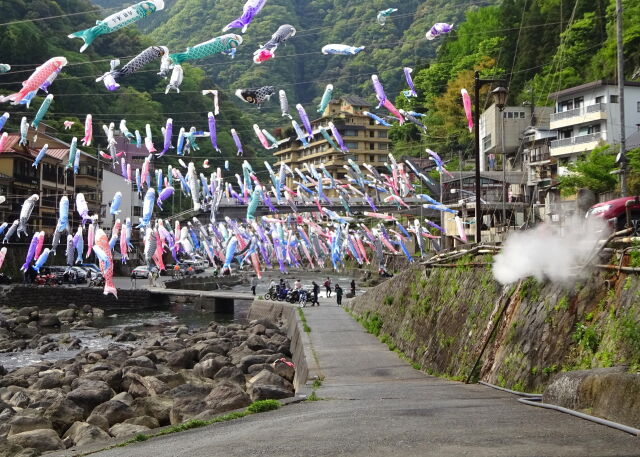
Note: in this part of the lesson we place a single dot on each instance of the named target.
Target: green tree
(591, 172)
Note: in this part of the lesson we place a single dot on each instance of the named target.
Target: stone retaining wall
(22, 296)
(300, 342)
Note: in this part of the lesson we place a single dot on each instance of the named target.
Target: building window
(486, 142)
(137, 211)
(351, 144)
(372, 134)
(565, 106)
(522, 114)
(578, 102)
(599, 99)
(372, 122)
(350, 132)
(383, 133)
(613, 98)
(639, 107)
(372, 146)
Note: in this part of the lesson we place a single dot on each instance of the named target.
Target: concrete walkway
(375, 404)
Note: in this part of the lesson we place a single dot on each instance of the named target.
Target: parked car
(197, 266)
(81, 274)
(614, 212)
(141, 272)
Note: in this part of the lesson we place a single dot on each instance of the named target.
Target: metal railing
(574, 140)
(595, 108)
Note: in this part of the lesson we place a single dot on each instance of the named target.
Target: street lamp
(499, 97)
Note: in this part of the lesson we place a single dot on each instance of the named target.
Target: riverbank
(160, 377)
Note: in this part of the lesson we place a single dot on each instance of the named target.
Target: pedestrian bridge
(219, 301)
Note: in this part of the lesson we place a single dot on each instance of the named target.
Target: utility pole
(623, 142)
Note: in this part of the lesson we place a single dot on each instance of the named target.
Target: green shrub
(260, 406)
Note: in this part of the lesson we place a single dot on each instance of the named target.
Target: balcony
(576, 144)
(581, 115)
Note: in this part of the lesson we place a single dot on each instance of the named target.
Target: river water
(177, 314)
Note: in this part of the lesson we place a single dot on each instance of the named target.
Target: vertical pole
(504, 172)
(623, 143)
(476, 121)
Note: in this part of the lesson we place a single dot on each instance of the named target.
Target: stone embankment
(440, 318)
(159, 378)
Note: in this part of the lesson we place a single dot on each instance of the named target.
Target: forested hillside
(141, 98)
(536, 46)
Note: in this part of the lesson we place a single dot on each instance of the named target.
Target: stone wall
(300, 343)
(440, 318)
(21, 296)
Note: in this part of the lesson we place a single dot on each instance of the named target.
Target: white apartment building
(131, 205)
(589, 115)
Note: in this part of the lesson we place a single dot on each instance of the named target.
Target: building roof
(512, 177)
(12, 141)
(354, 100)
(590, 86)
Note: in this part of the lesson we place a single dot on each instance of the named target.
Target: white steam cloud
(548, 253)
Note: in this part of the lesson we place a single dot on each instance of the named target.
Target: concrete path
(375, 404)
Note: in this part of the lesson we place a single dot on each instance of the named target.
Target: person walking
(338, 294)
(327, 286)
(133, 279)
(316, 291)
(353, 287)
(254, 284)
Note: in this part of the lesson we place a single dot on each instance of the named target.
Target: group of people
(315, 291)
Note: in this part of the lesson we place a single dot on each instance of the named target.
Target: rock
(208, 368)
(234, 374)
(66, 315)
(25, 331)
(113, 411)
(82, 434)
(227, 396)
(158, 407)
(48, 320)
(28, 452)
(124, 397)
(42, 439)
(255, 343)
(122, 430)
(44, 398)
(258, 329)
(188, 401)
(141, 361)
(19, 400)
(253, 359)
(47, 382)
(88, 396)
(183, 358)
(142, 386)
(97, 312)
(147, 421)
(257, 368)
(99, 421)
(125, 336)
(63, 413)
(27, 420)
(266, 385)
(284, 369)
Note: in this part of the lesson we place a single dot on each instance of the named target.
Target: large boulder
(142, 361)
(122, 430)
(63, 413)
(90, 395)
(188, 401)
(253, 359)
(158, 407)
(82, 434)
(27, 420)
(266, 385)
(147, 421)
(208, 368)
(42, 439)
(48, 320)
(233, 374)
(284, 369)
(113, 411)
(143, 386)
(183, 358)
(227, 396)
